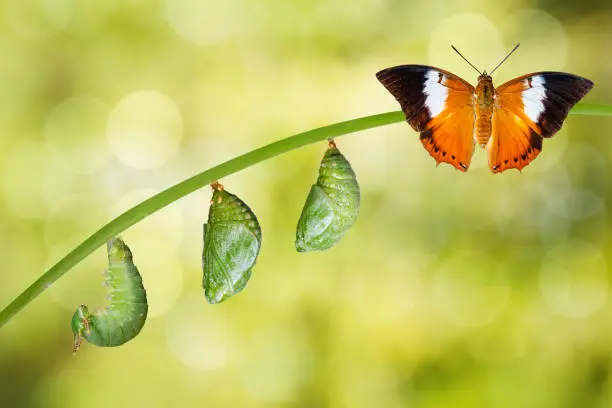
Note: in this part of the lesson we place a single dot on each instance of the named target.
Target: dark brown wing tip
(384, 74)
(587, 84)
(587, 80)
(380, 74)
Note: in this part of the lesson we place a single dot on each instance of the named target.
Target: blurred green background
(452, 289)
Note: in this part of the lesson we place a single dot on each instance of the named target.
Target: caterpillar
(232, 239)
(123, 319)
(332, 206)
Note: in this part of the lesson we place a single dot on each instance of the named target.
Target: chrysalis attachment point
(215, 185)
(332, 206)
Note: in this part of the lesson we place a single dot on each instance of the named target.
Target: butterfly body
(484, 99)
(511, 120)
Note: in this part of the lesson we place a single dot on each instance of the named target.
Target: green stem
(168, 196)
(591, 109)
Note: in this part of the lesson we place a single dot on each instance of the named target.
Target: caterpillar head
(80, 326)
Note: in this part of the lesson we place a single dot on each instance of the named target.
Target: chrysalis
(122, 320)
(232, 239)
(332, 205)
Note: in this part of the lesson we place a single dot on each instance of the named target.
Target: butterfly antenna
(507, 56)
(457, 51)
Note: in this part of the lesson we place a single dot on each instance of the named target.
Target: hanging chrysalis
(232, 239)
(332, 205)
(123, 319)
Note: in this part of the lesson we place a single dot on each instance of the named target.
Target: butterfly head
(484, 77)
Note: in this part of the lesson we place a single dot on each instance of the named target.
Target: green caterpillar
(332, 205)
(232, 239)
(123, 319)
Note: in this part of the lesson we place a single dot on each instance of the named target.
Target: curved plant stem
(168, 196)
(591, 109)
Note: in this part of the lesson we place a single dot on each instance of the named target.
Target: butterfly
(511, 121)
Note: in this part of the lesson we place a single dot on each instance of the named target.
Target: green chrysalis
(232, 239)
(332, 205)
(123, 319)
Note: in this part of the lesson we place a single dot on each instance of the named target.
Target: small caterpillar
(332, 205)
(232, 239)
(123, 319)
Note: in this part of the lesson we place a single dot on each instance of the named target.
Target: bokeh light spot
(31, 178)
(554, 150)
(588, 166)
(474, 35)
(58, 12)
(576, 204)
(204, 22)
(145, 129)
(157, 237)
(573, 279)
(163, 282)
(197, 334)
(23, 171)
(37, 19)
(64, 227)
(75, 133)
(275, 366)
(470, 289)
(529, 27)
(86, 285)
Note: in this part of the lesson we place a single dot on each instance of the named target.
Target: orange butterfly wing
(528, 109)
(437, 104)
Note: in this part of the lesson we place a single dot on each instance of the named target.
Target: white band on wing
(435, 93)
(533, 98)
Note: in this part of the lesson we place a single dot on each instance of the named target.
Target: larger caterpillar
(232, 239)
(123, 319)
(332, 205)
